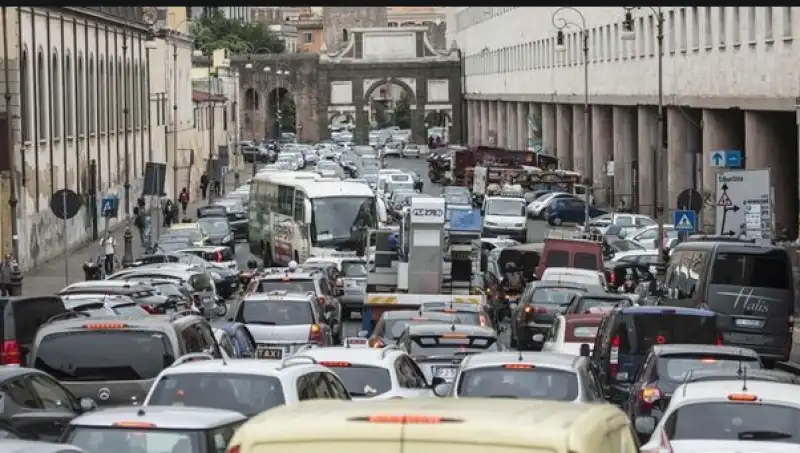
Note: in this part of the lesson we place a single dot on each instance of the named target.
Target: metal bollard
(15, 288)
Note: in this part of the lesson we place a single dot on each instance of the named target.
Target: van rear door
(577, 253)
(752, 291)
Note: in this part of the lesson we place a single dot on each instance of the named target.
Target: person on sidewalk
(216, 187)
(167, 213)
(139, 222)
(109, 245)
(204, 184)
(183, 198)
(7, 267)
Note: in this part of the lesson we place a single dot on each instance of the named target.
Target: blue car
(571, 210)
(242, 344)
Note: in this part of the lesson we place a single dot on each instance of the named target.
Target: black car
(219, 232)
(35, 406)
(237, 215)
(667, 366)
(538, 306)
(21, 317)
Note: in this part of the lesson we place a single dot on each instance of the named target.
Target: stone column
(647, 125)
(511, 125)
(581, 156)
(679, 160)
(502, 135)
(602, 152)
(624, 119)
(486, 124)
(478, 133)
(548, 115)
(722, 130)
(491, 137)
(564, 136)
(522, 125)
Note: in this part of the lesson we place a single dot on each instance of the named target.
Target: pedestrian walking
(216, 187)
(183, 198)
(167, 213)
(175, 213)
(139, 222)
(109, 245)
(204, 184)
(7, 267)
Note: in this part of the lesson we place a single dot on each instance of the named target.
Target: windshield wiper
(262, 323)
(762, 435)
(511, 397)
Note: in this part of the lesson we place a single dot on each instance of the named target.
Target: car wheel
(555, 220)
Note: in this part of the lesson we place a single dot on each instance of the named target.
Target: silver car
(281, 322)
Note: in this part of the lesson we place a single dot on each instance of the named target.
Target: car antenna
(453, 327)
(744, 379)
(739, 369)
(519, 356)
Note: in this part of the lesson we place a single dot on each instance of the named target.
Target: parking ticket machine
(426, 245)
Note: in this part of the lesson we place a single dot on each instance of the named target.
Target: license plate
(269, 353)
(743, 338)
(445, 373)
(758, 323)
(355, 341)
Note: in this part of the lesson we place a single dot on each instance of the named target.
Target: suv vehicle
(302, 281)
(750, 287)
(21, 317)
(142, 293)
(115, 361)
(626, 334)
(246, 386)
(282, 321)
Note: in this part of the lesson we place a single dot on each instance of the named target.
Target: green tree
(402, 112)
(381, 116)
(215, 31)
(288, 114)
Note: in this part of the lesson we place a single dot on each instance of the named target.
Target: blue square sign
(684, 220)
(109, 206)
(733, 158)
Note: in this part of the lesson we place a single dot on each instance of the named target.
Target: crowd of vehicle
(183, 352)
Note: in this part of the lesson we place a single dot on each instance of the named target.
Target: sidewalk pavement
(57, 273)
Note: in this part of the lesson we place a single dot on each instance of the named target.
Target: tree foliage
(402, 112)
(215, 31)
(288, 114)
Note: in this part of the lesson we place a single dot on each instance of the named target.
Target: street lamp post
(281, 70)
(561, 23)
(660, 158)
(127, 257)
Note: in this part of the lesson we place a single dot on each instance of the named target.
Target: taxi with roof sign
(439, 348)
(375, 304)
(374, 374)
(393, 323)
(153, 429)
(741, 416)
(667, 366)
(525, 375)
(439, 425)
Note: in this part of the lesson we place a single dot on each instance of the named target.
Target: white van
(505, 216)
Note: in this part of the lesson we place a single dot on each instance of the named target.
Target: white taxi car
(371, 373)
(243, 385)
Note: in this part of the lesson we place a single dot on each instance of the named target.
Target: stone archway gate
(328, 85)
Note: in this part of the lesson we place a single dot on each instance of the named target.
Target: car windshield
(249, 394)
(104, 355)
(587, 303)
(362, 381)
(215, 226)
(342, 221)
(458, 198)
(354, 269)
(766, 270)
(735, 421)
(168, 289)
(396, 327)
(678, 366)
(467, 316)
(513, 208)
(626, 246)
(581, 333)
(92, 439)
(275, 312)
(292, 286)
(450, 345)
(641, 331)
(553, 296)
(534, 382)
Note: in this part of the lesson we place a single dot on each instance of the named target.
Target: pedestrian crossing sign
(684, 220)
(724, 201)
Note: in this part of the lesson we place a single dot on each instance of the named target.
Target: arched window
(41, 90)
(344, 35)
(91, 92)
(69, 96)
(55, 94)
(102, 92)
(120, 97)
(25, 96)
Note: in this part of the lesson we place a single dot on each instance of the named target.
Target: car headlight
(227, 239)
(519, 225)
(490, 223)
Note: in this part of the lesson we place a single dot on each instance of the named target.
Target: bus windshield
(341, 221)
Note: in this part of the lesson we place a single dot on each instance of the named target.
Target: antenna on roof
(519, 356)
(740, 368)
(744, 379)
(453, 327)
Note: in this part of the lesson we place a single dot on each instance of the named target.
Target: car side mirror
(442, 390)
(645, 425)
(538, 338)
(87, 404)
(437, 381)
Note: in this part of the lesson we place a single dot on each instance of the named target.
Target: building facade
(730, 81)
(338, 21)
(414, 16)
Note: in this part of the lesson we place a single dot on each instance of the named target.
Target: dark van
(750, 287)
(626, 334)
(21, 318)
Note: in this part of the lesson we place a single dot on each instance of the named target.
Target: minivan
(750, 287)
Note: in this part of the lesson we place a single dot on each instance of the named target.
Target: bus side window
(299, 206)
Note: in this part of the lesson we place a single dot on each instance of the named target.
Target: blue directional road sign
(718, 158)
(684, 220)
(733, 158)
(109, 206)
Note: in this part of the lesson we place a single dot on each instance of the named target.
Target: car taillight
(321, 300)
(315, 334)
(149, 308)
(11, 354)
(218, 257)
(533, 309)
(234, 449)
(719, 340)
(612, 278)
(484, 321)
(613, 360)
(648, 396)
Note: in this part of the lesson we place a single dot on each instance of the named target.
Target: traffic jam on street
(465, 287)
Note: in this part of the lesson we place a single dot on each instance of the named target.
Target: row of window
(80, 99)
(202, 117)
(719, 27)
(469, 17)
(280, 199)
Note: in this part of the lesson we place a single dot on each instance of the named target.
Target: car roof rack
(574, 235)
(294, 360)
(67, 315)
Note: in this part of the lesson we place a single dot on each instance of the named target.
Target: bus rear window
(763, 270)
(641, 331)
